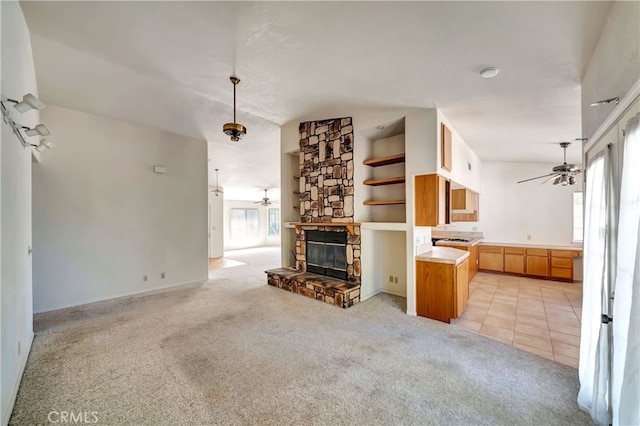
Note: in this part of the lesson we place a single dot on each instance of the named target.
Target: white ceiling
(167, 65)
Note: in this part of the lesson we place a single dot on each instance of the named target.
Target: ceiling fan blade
(539, 177)
(547, 180)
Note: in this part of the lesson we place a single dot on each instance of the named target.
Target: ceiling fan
(562, 175)
(265, 201)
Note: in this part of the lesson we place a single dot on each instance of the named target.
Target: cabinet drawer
(537, 252)
(490, 249)
(562, 253)
(513, 250)
(561, 273)
(561, 262)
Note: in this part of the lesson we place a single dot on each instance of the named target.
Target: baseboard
(369, 296)
(394, 293)
(23, 364)
(133, 293)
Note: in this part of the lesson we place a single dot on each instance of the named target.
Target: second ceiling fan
(265, 201)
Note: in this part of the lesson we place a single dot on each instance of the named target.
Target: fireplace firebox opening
(326, 253)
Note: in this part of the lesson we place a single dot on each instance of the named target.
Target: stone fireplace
(327, 239)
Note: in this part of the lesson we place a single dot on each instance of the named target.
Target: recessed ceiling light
(489, 72)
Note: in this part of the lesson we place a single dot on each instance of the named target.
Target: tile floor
(538, 316)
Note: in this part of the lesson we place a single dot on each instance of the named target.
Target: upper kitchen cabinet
(464, 205)
(445, 145)
(432, 200)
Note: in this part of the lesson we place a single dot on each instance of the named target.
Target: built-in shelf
(349, 226)
(385, 161)
(385, 181)
(383, 202)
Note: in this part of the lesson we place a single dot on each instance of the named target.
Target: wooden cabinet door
(426, 200)
(491, 258)
(538, 265)
(459, 199)
(473, 261)
(462, 287)
(435, 290)
(445, 148)
(514, 263)
(432, 200)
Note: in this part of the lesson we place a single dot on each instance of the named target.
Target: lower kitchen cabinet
(538, 262)
(491, 258)
(473, 258)
(535, 262)
(442, 289)
(514, 260)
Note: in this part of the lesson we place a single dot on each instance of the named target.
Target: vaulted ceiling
(167, 65)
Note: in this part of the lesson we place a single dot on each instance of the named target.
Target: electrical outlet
(528, 237)
(390, 278)
(145, 278)
(417, 240)
(163, 275)
(475, 228)
(395, 280)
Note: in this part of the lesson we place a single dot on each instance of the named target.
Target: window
(577, 217)
(274, 222)
(244, 223)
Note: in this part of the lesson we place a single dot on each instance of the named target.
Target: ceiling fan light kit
(563, 175)
(235, 131)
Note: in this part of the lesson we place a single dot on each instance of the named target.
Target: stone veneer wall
(326, 171)
(326, 186)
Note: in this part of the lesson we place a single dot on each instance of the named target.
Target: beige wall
(103, 219)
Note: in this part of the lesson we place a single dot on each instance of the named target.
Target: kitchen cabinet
(473, 257)
(562, 264)
(461, 287)
(491, 258)
(464, 199)
(535, 262)
(538, 262)
(514, 260)
(473, 261)
(432, 198)
(464, 205)
(442, 289)
(445, 148)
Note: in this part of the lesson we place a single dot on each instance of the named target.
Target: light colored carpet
(236, 351)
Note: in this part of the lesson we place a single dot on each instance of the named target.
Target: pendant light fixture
(217, 191)
(235, 130)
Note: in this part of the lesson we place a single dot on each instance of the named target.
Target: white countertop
(547, 246)
(443, 255)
